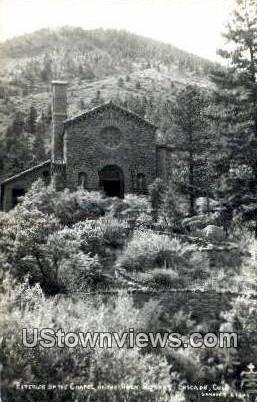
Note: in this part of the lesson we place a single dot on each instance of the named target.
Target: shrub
(67, 266)
(98, 236)
(166, 278)
(80, 205)
(172, 210)
(23, 306)
(69, 207)
(132, 207)
(56, 256)
(157, 193)
(22, 244)
(148, 250)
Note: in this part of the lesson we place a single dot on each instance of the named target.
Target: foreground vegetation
(82, 262)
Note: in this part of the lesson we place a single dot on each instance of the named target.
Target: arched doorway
(111, 181)
(16, 194)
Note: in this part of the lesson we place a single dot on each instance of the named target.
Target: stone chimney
(59, 114)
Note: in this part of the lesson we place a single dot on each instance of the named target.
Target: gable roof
(109, 106)
(24, 172)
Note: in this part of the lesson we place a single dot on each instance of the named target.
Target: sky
(192, 25)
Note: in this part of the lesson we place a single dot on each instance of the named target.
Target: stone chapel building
(107, 148)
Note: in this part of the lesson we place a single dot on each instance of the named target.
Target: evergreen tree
(172, 209)
(138, 85)
(121, 82)
(97, 100)
(88, 73)
(17, 125)
(31, 123)
(46, 72)
(156, 193)
(81, 71)
(193, 139)
(81, 104)
(17, 150)
(236, 112)
(48, 116)
(39, 152)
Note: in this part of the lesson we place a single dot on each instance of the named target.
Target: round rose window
(111, 137)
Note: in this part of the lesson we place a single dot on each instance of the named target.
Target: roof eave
(81, 116)
(24, 172)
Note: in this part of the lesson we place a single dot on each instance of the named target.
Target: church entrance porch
(111, 181)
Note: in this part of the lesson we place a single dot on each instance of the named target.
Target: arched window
(82, 180)
(46, 177)
(141, 183)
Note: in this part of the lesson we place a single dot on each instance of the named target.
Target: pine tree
(193, 141)
(48, 116)
(138, 85)
(18, 124)
(236, 112)
(39, 152)
(121, 82)
(46, 72)
(172, 209)
(156, 194)
(81, 104)
(31, 123)
(97, 100)
(17, 149)
(81, 71)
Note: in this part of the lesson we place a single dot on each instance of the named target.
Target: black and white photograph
(128, 200)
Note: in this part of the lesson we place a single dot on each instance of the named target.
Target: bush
(80, 205)
(67, 266)
(172, 211)
(48, 238)
(148, 250)
(131, 208)
(101, 235)
(166, 278)
(60, 258)
(23, 306)
(157, 193)
(68, 207)
(25, 234)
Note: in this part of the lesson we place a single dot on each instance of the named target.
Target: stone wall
(206, 305)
